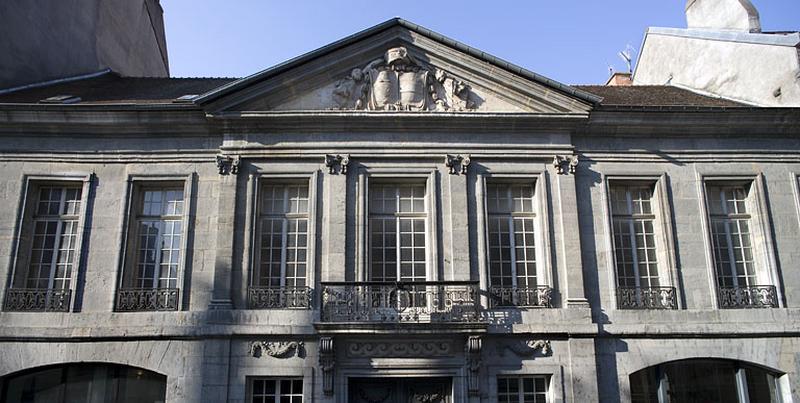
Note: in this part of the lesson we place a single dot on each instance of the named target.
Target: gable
(398, 67)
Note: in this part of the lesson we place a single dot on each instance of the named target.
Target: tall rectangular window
(512, 235)
(730, 233)
(397, 232)
(283, 236)
(42, 279)
(264, 390)
(159, 225)
(742, 282)
(523, 389)
(151, 276)
(279, 278)
(633, 223)
(55, 233)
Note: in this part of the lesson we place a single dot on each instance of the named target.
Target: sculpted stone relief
(282, 349)
(526, 348)
(397, 82)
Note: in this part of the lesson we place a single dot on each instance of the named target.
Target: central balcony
(401, 302)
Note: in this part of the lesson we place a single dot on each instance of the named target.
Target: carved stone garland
(282, 349)
(526, 348)
(473, 353)
(397, 82)
(326, 364)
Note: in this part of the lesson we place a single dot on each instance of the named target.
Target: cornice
(335, 121)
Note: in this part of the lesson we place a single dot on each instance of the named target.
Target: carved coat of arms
(397, 82)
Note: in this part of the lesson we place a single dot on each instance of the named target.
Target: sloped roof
(111, 88)
(654, 95)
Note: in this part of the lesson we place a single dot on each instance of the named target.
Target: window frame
(524, 368)
(250, 259)
(429, 177)
(250, 381)
(20, 260)
(128, 235)
(256, 183)
(662, 228)
(760, 231)
(548, 394)
(541, 189)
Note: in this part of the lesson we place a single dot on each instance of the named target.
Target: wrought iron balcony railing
(755, 296)
(37, 300)
(540, 296)
(403, 302)
(147, 299)
(279, 297)
(646, 298)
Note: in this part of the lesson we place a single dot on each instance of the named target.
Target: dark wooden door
(400, 390)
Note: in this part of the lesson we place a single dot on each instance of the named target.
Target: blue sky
(572, 41)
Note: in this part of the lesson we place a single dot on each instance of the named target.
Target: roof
(654, 96)
(394, 22)
(111, 88)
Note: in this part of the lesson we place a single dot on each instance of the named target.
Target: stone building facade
(396, 217)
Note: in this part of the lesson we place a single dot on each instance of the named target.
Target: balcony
(279, 297)
(37, 300)
(646, 298)
(756, 296)
(147, 299)
(522, 297)
(401, 302)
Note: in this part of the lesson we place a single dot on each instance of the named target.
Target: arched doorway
(705, 381)
(84, 382)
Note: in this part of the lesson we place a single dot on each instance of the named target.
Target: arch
(705, 379)
(84, 381)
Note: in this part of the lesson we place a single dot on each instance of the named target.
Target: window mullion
(634, 247)
(55, 255)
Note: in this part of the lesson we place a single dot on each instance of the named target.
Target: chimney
(732, 15)
(619, 80)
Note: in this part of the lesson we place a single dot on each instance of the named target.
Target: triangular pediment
(399, 67)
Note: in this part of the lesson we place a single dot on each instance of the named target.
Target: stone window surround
(132, 186)
(255, 182)
(397, 174)
(760, 230)
(31, 182)
(527, 368)
(665, 239)
(539, 180)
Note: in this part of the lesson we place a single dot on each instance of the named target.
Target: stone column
(566, 221)
(221, 297)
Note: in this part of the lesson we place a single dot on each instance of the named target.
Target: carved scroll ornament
(282, 349)
(397, 82)
(526, 348)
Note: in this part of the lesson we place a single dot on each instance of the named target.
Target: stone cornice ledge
(335, 121)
